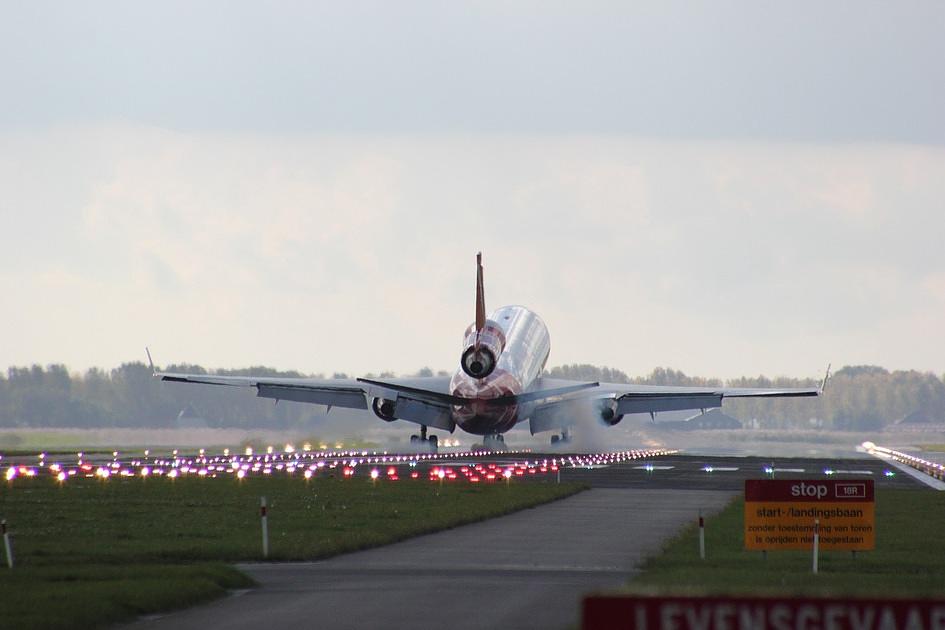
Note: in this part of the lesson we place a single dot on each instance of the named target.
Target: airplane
(499, 383)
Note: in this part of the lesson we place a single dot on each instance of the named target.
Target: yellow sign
(783, 514)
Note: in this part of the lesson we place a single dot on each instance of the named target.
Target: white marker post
(701, 536)
(265, 527)
(816, 541)
(6, 543)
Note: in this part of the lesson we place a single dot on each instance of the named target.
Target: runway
(729, 473)
(525, 570)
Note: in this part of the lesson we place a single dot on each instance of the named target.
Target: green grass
(95, 595)
(908, 560)
(93, 552)
(933, 448)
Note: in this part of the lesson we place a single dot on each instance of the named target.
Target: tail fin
(480, 296)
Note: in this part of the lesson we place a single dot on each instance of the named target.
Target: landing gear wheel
(434, 442)
(414, 439)
(493, 442)
(555, 439)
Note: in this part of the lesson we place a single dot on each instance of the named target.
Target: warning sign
(780, 514)
(632, 612)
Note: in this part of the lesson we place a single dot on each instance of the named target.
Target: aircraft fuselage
(523, 345)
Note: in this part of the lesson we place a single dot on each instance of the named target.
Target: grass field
(933, 448)
(908, 560)
(92, 552)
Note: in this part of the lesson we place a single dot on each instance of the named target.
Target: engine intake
(384, 409)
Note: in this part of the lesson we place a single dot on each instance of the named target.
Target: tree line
(857, 398)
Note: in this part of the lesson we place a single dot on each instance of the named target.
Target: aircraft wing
(419, 399)
(656, 398)
(332, 392)
(626, 399)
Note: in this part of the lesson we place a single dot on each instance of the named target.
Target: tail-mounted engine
(383, 409)
(482, 349)
(608, 413)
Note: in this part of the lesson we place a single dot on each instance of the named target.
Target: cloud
(355, 253)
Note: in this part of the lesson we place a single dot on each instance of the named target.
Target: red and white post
(6, 543)
(265, 527)
(816, 541)
(701, 536)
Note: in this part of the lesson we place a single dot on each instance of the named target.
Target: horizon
(74, 372)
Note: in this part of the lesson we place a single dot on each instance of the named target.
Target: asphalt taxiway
(524, 570)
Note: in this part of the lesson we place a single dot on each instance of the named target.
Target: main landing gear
(422, 440)
(564, 438)
(495, 442)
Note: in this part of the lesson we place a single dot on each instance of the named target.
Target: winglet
(823, 384)
(480, 296)
(153, 371)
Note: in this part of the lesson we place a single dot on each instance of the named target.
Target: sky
(725, 188)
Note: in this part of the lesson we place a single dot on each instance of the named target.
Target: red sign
(808, 490)
(749, 613)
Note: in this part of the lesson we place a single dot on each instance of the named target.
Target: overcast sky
(725, 188)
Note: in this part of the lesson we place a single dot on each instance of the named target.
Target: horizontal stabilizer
(449, 399)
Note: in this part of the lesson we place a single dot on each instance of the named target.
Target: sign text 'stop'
(828, 490)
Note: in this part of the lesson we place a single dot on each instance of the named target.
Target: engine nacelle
(478, 362)
(608, 413)
(384, 409)
(481, 350)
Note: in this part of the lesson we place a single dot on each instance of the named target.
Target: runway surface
(525, 570)
(729, 473)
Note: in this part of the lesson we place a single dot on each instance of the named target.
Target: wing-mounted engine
(384, 409)
(388, 404)
(607, 412)
(481, 349)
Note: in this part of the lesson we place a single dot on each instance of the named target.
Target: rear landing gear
(419, 441)
(564, 438)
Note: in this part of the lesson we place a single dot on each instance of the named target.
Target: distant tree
(860, 370)
(587, 372)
